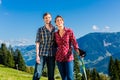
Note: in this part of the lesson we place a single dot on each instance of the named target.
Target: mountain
(98, 46)
(19, 42)
(28, 53)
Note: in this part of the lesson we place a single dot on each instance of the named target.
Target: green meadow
(12, 74)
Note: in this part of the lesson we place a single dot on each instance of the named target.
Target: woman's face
(59, 22)
(47, 19)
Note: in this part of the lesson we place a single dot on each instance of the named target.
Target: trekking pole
(81, 59)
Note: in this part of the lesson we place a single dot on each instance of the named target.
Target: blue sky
(20, 19)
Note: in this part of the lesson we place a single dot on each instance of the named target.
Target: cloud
(0, 2)
(104, 29)
(107, 28)
(94, 27)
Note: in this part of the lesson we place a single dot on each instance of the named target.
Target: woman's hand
(78, 51)
(81, 53)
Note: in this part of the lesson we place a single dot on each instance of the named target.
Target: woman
(64, 38)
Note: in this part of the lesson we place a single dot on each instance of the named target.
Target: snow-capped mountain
(19, 42)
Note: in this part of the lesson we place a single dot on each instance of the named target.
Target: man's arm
(37, 53)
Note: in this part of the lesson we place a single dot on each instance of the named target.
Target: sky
(20, 19)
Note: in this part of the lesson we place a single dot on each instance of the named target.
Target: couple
(51, 46)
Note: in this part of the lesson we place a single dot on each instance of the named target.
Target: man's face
(47, 19)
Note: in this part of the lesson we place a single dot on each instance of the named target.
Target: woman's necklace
(61, 32)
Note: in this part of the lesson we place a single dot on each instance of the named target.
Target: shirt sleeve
(73, 40)
(38, 36)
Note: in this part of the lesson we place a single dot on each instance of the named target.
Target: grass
(13, 74)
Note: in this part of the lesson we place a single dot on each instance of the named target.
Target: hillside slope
(12, 74)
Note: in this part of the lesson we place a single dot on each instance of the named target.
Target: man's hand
(38, 59)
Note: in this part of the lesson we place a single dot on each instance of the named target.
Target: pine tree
(117, 70)
(88, 74)
(11, 50)
(3, 54)
(95, 75)
(111, 68)
(6, 58)
(10, 60)
(19, 61)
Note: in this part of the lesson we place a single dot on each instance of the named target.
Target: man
(45, 49)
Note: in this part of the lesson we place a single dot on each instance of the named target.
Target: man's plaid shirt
(46, 40)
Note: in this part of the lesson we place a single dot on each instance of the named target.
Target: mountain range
(98, 46)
